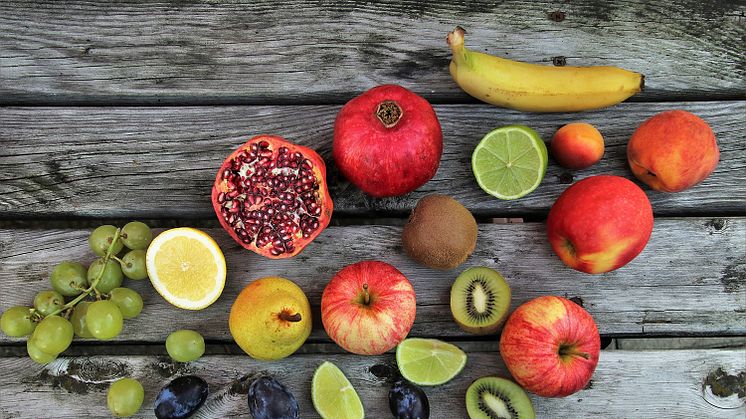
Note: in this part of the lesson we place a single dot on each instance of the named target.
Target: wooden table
(113, 112)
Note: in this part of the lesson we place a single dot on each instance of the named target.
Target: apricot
(673, 151)
(577, 145)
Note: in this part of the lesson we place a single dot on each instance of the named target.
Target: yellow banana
(538, 88)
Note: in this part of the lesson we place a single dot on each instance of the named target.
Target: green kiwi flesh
(498, 398)
(480, 299)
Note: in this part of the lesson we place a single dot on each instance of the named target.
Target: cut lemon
(186, 267)
(429, 362)
(510, 161)
(333, 396)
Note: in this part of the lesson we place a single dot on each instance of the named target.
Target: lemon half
(186, 267)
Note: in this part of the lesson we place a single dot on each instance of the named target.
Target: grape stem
(92, 288)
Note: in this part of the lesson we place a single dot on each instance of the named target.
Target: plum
(408, 401)
(180, 398)
(270, 399)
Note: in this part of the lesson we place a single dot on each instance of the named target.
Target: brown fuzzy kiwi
(441, 233)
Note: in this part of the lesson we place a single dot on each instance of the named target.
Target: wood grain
(689, 280)
(322, 52)
(626, 384)
(161, 162)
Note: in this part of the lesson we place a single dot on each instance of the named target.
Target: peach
(577, 145)
(673, 151)
(600, 223)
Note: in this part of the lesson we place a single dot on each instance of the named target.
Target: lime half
(333, 396)
(429, 362)
(510, 161)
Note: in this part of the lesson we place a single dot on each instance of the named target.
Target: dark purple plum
(269, 399)
(408, 401)
(180, 398)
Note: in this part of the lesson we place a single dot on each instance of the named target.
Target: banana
(538, 88)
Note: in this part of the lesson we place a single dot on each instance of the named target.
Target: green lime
(333, 395)
(510, 161)
(429, 362)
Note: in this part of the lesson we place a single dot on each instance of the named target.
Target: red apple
(368, 307)
(600, 224)
(551, 346)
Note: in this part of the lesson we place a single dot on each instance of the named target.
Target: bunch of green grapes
(88, 303)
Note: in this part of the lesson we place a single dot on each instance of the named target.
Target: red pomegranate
(387, 141)
(270, 195)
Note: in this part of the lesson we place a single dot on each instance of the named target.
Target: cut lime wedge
(510, 161)
(429, 362)
(333, 396)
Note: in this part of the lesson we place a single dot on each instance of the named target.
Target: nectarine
(600, 223)
(673, 151)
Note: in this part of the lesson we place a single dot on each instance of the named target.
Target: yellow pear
(271, 318)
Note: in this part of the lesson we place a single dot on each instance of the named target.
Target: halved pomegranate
(270, 195)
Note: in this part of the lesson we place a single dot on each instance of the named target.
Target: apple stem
(290, 317)
(366, 295)
(568, 350)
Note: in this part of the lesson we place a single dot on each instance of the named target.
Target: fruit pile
(271, 197)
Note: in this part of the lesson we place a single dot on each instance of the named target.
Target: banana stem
(456, 42)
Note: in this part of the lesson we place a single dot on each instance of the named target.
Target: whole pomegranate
(387, 141)
(271, 196)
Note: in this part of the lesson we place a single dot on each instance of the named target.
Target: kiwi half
(498, 398)
(480, 299)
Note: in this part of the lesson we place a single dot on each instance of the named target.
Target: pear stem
(366, 295)
(286, 316)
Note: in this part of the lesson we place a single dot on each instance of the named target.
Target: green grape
(111, 278)
(128, 301)
(185, 345)
(68, 278)
(104, 320)
(47, 302)
(136, 235)
(37, 355)
(101, 238)
(133, 265)
(125, 397)
(53, 335)
(78, 320)
(17, 322)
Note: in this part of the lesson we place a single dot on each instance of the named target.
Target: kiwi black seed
(498, 398)
(441, 233)
(480, 299)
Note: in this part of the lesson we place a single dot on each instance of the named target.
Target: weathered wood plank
(161, 162)
(690, 279)
(229, 52)
(627, 384)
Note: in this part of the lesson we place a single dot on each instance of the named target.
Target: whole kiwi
(441, 233)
